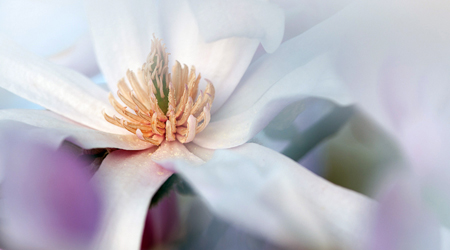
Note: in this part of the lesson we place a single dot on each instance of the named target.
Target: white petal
(272, 196)
(174, 151)
(259, 99)
(223, 62)
(122, 31)
(129, 180)
(57, 128)
(43, 27)
(203, 153)
(61, 90)
(79, 57)
(240, 18)
(303, 15)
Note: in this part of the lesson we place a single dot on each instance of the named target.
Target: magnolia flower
(398, 73)
(250, 186)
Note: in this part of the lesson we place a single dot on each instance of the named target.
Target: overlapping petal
(79, 57)
(259, 99)
(304, 14)
(278, 199)
(222, 19)
(61, 90)
(129, 180)
(223, 61)
(52, 125)
(122, 31)
(10, 100)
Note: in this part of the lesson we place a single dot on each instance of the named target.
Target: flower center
(155, 110)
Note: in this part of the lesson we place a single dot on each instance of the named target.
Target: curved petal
(79, 57)
(53, 125)
(43, 27)
(10, 100)
(240, 18)
(63, 91)
(256, 102)
(122, 31)
(223, 62)
(47, 199)
(304, 14)
(286, 128)
(129, 180)
(250, 182)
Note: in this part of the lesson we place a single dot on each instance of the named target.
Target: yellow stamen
(163, 105)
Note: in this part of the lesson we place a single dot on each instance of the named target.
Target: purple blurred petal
(403, 222)
(48, 201)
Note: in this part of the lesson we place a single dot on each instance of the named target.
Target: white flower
(246, 184)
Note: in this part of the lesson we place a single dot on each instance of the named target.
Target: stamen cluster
(155, 110)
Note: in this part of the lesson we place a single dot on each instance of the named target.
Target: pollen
(157, 105)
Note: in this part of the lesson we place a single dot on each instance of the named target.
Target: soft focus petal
(53, 125)
(402, 222)
(240, 18)
(278, 199)
(47, 199)
(435, 194)
(44, 27)
(259, 99)
(129, 180)
(405, 73)
(61, 90)
(223, 62)
(122, 31)
(445, 238)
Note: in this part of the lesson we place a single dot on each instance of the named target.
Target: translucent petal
(129, 180)
(61, 90)
(299, 209)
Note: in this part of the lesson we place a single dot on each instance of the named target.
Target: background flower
(394, 59)
(47, 199)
